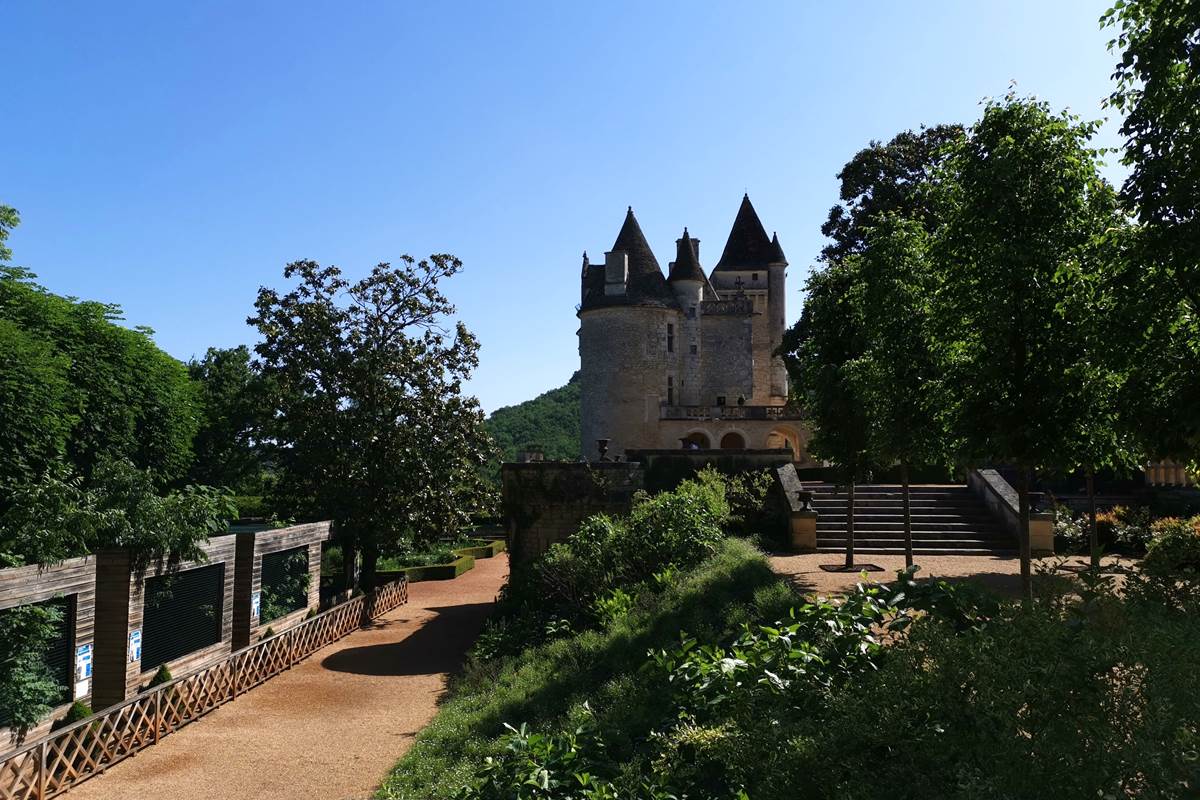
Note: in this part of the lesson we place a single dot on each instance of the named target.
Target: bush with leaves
(28, 688)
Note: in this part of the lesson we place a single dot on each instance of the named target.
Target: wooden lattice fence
(51, 765)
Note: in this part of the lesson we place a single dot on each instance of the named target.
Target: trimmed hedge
(488, 550)
(432, 572)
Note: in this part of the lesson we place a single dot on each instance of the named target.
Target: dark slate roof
(646, 285)
(777, 256)
(748, 246)
(686, 266)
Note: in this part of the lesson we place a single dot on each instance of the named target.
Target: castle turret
(777, 315)
(688, 281)
(750, 265)
(628, 345)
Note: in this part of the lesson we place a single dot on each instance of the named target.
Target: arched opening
(696, 440)
(733, 441)
(779, 439)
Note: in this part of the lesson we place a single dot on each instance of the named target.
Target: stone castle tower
(686, 360)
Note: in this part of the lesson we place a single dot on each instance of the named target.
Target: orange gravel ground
(330, 727)
(1000, 573)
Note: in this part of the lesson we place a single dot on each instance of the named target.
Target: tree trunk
(850, 525)
(1026, 554)
(348, 559)
(366, 580)
(1093, 536)
(908, 547)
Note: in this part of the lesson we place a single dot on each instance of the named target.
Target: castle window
(670, 391)
(693, 349)
(720, 399)
(754, 277)
(691, 312)
(670, 338)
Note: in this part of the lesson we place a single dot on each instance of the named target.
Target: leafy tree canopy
(76, 385)
(371, 427)
(60, 517)
(884, 179)
(1158, 90)
(231, 395)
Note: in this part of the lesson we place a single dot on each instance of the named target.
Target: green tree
(28, 687)
(1023, 203)
(1102, 337)
(231, 399)
(883, 179)
(113, 391)
(1158, 91)
(9, 219)
(34, 404)
(898, 374)
(820, 352)
(61, 517)
(371, 426)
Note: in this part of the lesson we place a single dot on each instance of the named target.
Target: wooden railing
(51, 765)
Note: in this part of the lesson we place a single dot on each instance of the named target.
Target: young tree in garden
(371, 427)
(1158, 90)
(1023, 202)
(897, 376)
(820, 352)
(1103, 337)
(231, 396)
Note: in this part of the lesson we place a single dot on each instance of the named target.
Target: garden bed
(487, 550)
(431, 572)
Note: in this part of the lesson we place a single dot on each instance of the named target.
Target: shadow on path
(436, 647)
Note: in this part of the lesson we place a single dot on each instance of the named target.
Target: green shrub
(251, 506)
(439, 554)
(28, 689)
(163, 675)
(78, 710)
(1070, 531)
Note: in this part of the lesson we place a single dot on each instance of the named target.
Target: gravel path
(332, 726)
(1001, 573)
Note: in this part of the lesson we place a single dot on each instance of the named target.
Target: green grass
(543, 685)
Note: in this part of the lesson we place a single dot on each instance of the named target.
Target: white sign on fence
(135, 644)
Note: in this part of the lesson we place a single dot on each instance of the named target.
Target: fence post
(41, 785)
(158, 718)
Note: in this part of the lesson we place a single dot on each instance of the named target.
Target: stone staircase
(946, 520)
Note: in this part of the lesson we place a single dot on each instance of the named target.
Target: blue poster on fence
(135, 644)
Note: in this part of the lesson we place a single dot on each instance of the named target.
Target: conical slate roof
(777, 256)
(646, 285)
(686, 266)
(748, 246)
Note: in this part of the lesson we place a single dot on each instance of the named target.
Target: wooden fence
(51, 765)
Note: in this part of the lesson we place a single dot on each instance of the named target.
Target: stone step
(885, 541)
(928, 528)
(919, 551)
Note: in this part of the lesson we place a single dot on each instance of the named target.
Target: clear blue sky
(172, 157)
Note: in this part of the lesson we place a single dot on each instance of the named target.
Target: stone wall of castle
(624, 365)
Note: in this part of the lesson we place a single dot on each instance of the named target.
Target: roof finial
(685, 233)
(585, 258)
